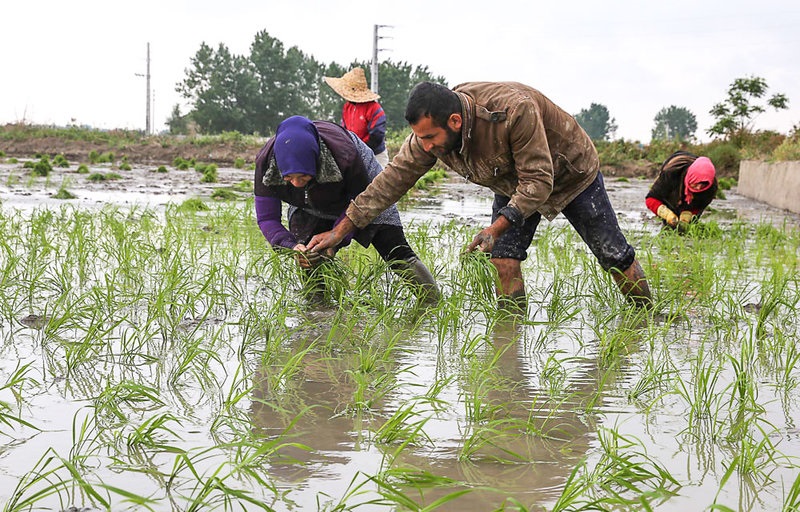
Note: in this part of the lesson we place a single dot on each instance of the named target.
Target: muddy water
(550, 379)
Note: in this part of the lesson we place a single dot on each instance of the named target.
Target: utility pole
(375, 50)
(147, 124)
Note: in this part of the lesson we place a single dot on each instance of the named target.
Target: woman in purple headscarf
(317, 168)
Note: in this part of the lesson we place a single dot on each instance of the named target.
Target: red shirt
(368, 121)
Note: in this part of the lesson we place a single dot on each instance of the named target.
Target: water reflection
(512, 422)
(523, 442)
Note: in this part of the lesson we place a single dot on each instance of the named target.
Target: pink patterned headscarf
(701, 170)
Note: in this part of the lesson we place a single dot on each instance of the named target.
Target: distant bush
(619, 151)
(789, 149)
(94, 157)
(2, 153)
(725, 156)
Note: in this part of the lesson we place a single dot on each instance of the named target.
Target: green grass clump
(193, 205)
(82, 169)
(60, 161)
(243, 186)
(161, 168)
(224, 194)
(725, 183)
(430, 178)
(124, 165)
(99, 176)
(63, 193)
(182, 164)
(42, 167)
(239, 163)
(209, 174)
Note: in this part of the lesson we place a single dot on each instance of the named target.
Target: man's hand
(687, 216)
(486, 238)
(483, 241)
(331, 239)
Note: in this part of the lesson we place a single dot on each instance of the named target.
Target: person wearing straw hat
(684, 187)
(534, 157)
(361, 112)
(317, 168)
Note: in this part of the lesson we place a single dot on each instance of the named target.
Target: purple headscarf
(297, 146)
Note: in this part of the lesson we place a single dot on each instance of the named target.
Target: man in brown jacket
(534, 156)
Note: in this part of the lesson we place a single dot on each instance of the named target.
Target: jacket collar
(467, 122)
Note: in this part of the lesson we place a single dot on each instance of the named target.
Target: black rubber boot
(417, 274)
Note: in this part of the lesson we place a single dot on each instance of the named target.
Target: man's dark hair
(434, 100)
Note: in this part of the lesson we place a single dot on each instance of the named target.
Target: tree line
(253, 93)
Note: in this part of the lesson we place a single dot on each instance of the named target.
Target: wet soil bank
(154, 152)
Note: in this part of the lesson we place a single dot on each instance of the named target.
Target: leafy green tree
(288, 83)
(253, 94)
(597, 122)
(178, 124)
(674, 123)
(395, 81)
(219, 84)
(736, 113)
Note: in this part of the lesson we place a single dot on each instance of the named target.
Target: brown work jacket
(515, 141)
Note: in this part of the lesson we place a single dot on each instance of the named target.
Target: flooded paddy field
(155, 354)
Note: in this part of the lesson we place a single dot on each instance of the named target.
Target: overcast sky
(77, 61)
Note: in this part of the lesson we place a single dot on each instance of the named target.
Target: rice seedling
(212, 382)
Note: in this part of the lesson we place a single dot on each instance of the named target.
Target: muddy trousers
(593, 217)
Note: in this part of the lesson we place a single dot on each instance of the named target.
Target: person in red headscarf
(684, 187)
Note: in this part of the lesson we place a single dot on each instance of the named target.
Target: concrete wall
(777, 184)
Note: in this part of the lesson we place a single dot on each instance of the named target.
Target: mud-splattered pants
(592, 216)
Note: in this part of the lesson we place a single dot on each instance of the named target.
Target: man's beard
(451, 143)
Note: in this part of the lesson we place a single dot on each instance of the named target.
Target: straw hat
(352, 86)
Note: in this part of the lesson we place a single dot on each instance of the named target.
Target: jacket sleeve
(376, 129)
(652, 204)
(410, 163)
(268, 216)
(534, 165)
